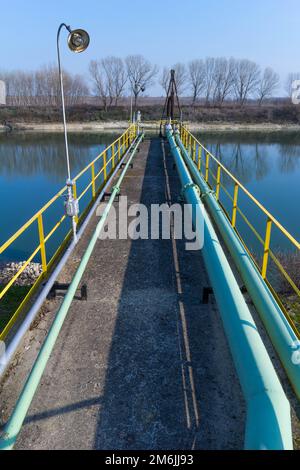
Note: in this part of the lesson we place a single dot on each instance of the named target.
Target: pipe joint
(207, 193)
(117, 189)
(189, 186)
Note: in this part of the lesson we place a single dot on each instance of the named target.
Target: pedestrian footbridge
(137, 342)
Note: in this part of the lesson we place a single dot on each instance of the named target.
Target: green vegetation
(292, 305)
(281, 113)
(10, 303)
(291, 264)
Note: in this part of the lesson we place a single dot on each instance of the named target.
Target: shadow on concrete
(63, 410)
(170, 382)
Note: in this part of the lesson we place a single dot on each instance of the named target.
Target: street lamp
(78, 41)
(137, 87)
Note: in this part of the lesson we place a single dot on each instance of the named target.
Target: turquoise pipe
(268, 420)
(13, 426)
(282, 335)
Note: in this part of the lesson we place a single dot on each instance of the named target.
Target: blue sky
(165, 31)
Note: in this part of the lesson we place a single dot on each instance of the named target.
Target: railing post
(194, 151)
(93, 180)
(119, 150)
(266, 249)
(199, 157)
(218, 182)
(234, 207)
(42, 242)
(207, 167)
(104, 166)
(113, 155)
(190, 144)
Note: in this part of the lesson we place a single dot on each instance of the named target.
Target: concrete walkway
(142, 364)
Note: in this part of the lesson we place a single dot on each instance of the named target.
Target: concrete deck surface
(142, 364)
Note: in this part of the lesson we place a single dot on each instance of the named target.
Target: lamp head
(78, 40)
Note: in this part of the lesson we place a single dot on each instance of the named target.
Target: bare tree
(209, 70)
(41, 87)
(223, 76)
(196, 78)
(140, 73)
(77, 91)
(47, 85)
(268, 84)
(246, 79)
(289, 82)
(115, 77)
(181, 77)
(165, 79)
(98, 76)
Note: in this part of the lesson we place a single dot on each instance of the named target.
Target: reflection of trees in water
(241, 163)
(32, 154)
(261, 162)
(248, 160)
(289, 157)
(286, 146)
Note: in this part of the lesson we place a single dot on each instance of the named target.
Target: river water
(33, 169)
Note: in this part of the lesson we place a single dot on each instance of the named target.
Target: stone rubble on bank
(28, 276)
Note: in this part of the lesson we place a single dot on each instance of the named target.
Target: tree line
(209, 81)
(41, 87)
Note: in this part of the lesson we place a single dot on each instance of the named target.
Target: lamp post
(138, 87)
(78, 41)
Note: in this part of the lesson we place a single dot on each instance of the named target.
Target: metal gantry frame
(168, 113)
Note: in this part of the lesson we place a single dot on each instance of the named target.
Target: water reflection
(32, 154)
(269, 167)
(251, 157)
(33, 169)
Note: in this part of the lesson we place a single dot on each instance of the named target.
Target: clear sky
(165, 31)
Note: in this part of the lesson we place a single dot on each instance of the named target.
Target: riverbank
(114, 126)
(28, 277)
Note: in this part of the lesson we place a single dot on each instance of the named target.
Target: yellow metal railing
(203, 159)
(107, 165)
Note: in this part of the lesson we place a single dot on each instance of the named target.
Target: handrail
(196, 150)
(266, 212)
(268, 418)
(117, 149)
(283, 333)
(16, 420)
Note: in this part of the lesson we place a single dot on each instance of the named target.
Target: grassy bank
(10, 303)
(228, 113)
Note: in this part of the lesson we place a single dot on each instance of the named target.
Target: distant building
(2, 92)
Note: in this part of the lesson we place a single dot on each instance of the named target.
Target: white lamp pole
(139, 88)
(78, 41)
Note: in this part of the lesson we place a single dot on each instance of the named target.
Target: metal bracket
(108, 195)
(206, 293)
(64, 287)
(124, 164)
